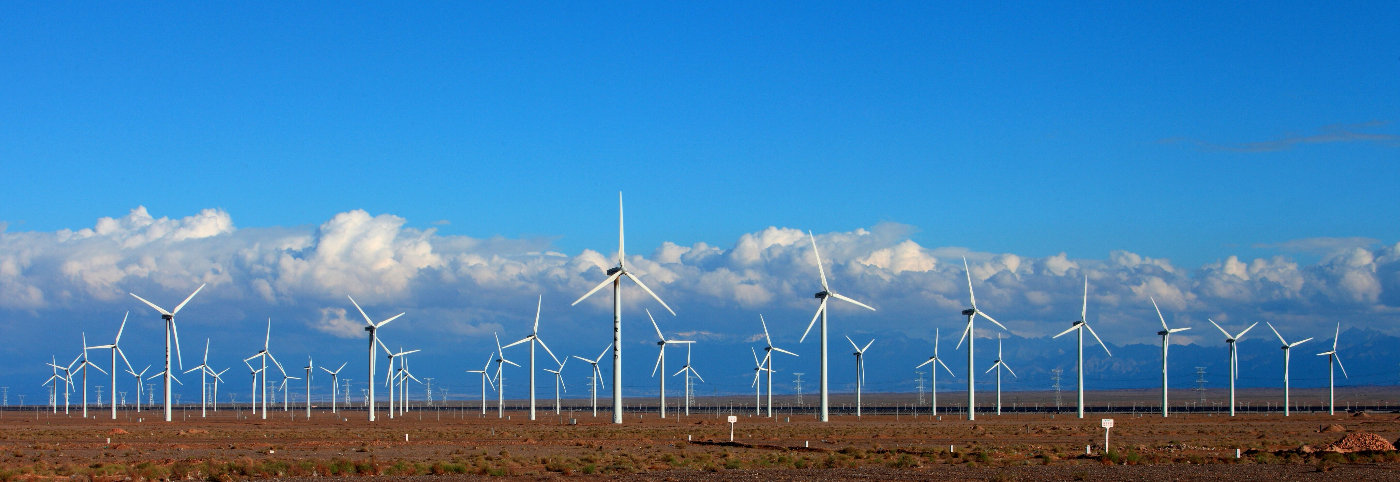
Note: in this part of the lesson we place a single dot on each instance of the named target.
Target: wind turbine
(373, 329)
(615, 276)
(1286, 348)
(597, 376)
(534, 338)
(310, 366)
(970, 335)
(860, 369)
(253, 398)
(661, 342)
(404, 375)
(264, 355)
(1079, 325)
(998, 366)
(688, 371)
(768, 350)
(1234, 358)
(1333, 359)
(485, 379)
(67, 378)
(1166, 334)
(203, 378)
(558, 383)
(139, 377)
(283, 388)
(822, 295)
(758, 368)
(170, 328)
(500, 379)
(83, 365)
(218, 378)
(116, 350)
(933, 382)
(335, 388)
(389, 375)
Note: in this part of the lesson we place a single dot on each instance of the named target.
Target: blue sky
(1181, 133)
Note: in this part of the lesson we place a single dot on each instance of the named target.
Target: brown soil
(1360, 442)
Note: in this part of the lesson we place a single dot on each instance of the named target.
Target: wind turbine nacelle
(1163, 333)
(369, 329)
(820, 295)
(613, 270)
(969, 312)
(661, 343)
(167, 317)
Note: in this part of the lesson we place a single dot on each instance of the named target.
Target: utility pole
(920, 380)
(1056, 377)
(1201, 383)
(797, 385)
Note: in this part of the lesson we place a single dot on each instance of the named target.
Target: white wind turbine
(286, 406)
(822, 295)
(933, 382)
(170, 329)
(615, 276)
(390, 373)
(218, 378)
(116, 350)
(1234, 358)
(1333, 359)
(1080, 325)
(969, 334)
(1287, 347)
(558, 383)
(597, 376)
(310, 367)
(139, 378)
(661, 342)
(688, 371)
(67, 378)
(485, 379)
(860, 368)
(404, 375)
(768, 350)
(253, 398)
(500, 379)
(373, 329)
(758, 368)
(83, 365)
(335, 388)
(1166, 334)
(998, 366)
(534, 338)
(53, 397)
(204, 371)
(265, 354)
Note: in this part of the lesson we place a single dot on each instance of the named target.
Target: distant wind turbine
(1333, 359)
(534, 338)
(597, 376)
(768, 350)
(933, 378)
(999, 364)
(500, 379)
(116, 350)
(1286, 348)
(860, 368)
(485, 373)
(1080, 325)
(373, 329)
(170, 328)
(661, 342)
(688, 370)
(1166, 334)
(970, 334)
(335, 387)
(823, 295)
(1234, 358)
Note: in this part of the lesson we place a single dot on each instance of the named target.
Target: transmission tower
(797, 386)
(1056, 377)
(99, 396)
(428, 383)
(1201, 383)
(150, 394)
(5, 394)
(920, 380)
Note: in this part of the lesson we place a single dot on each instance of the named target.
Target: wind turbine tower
(969, 334)
(373, 329)
(933, 377)
(1333, 359)
(1166, 334)
(1234, 358)
(1286, 348)
(823, 295)
(1080, 325)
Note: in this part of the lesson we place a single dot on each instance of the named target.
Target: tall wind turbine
(688, 370)
(759, 366)
(615, 278)
(1166, 334)
(558, 383)
(768, 350)
(116, 350)
(661, 342)
(53, 399)
(373, 329)
(204, 371)
(310, 367)
(83, 365)
(485, 379)
(500, 379)
(389, 374)
(1234, 358)
(534, 338)
(170, 328)
(998, 366)
(218, 378)
(860, 369)
(1286, 348)
(969, 333)
(1333, 359)
(822, 295)
(933, 378)
(335, 389)
(597, 376)
(265, 354)
(1080, 325)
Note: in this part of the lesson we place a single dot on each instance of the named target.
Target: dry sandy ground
(458, 443)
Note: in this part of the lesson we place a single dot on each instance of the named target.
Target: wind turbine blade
(391, 318)
(538, 303)
(386, 349)
(755, 357)
(966, 329)
(94, 365)
(697, 374)
(1159, 314)
(930, 360)
(1300, 342)
(175, 329)
(517, 365)
(547, 350)
(1335, 335)
(1084, 308)
(1100, 340)
(682, 370)
(945, 367)
(820, 270)
(972, 296)
(1280, 337)
(621, 253)
(1246, 330)
(362, 311)
(275, 362)
(853, 344)
(845, 298)
(1340, 365)
(342, 366)
(659, 336)
(600, 355)
(206, 350)
(267, 339)
(596, 288)
(659, 355)
(1072, 328)
(993, 367)
(522, 340)
(780, 350)
(644, 287)
(152, 305)
(867, 345)
(410, 352)
(598, 377)
(1178, 330)
(1222, 330)
(123, 355)
(1008, 368)
(187, 300)
(324, 369)
(766, 338)
(582, 358)
(121, 328)
(994, 321)
(820, 307)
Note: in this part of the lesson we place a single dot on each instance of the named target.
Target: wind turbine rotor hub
(969, 312)
(167, 317)
(821, 295)
(1163, 333)
(369, 329)
(614, 270)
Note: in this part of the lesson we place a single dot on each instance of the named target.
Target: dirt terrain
(460, 442)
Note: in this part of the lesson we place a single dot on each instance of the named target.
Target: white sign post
(732, 419)
(1107, 425)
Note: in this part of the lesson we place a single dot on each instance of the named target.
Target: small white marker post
(732, 419)
(1107, 425)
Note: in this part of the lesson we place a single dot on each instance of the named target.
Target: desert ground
(457, 441)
